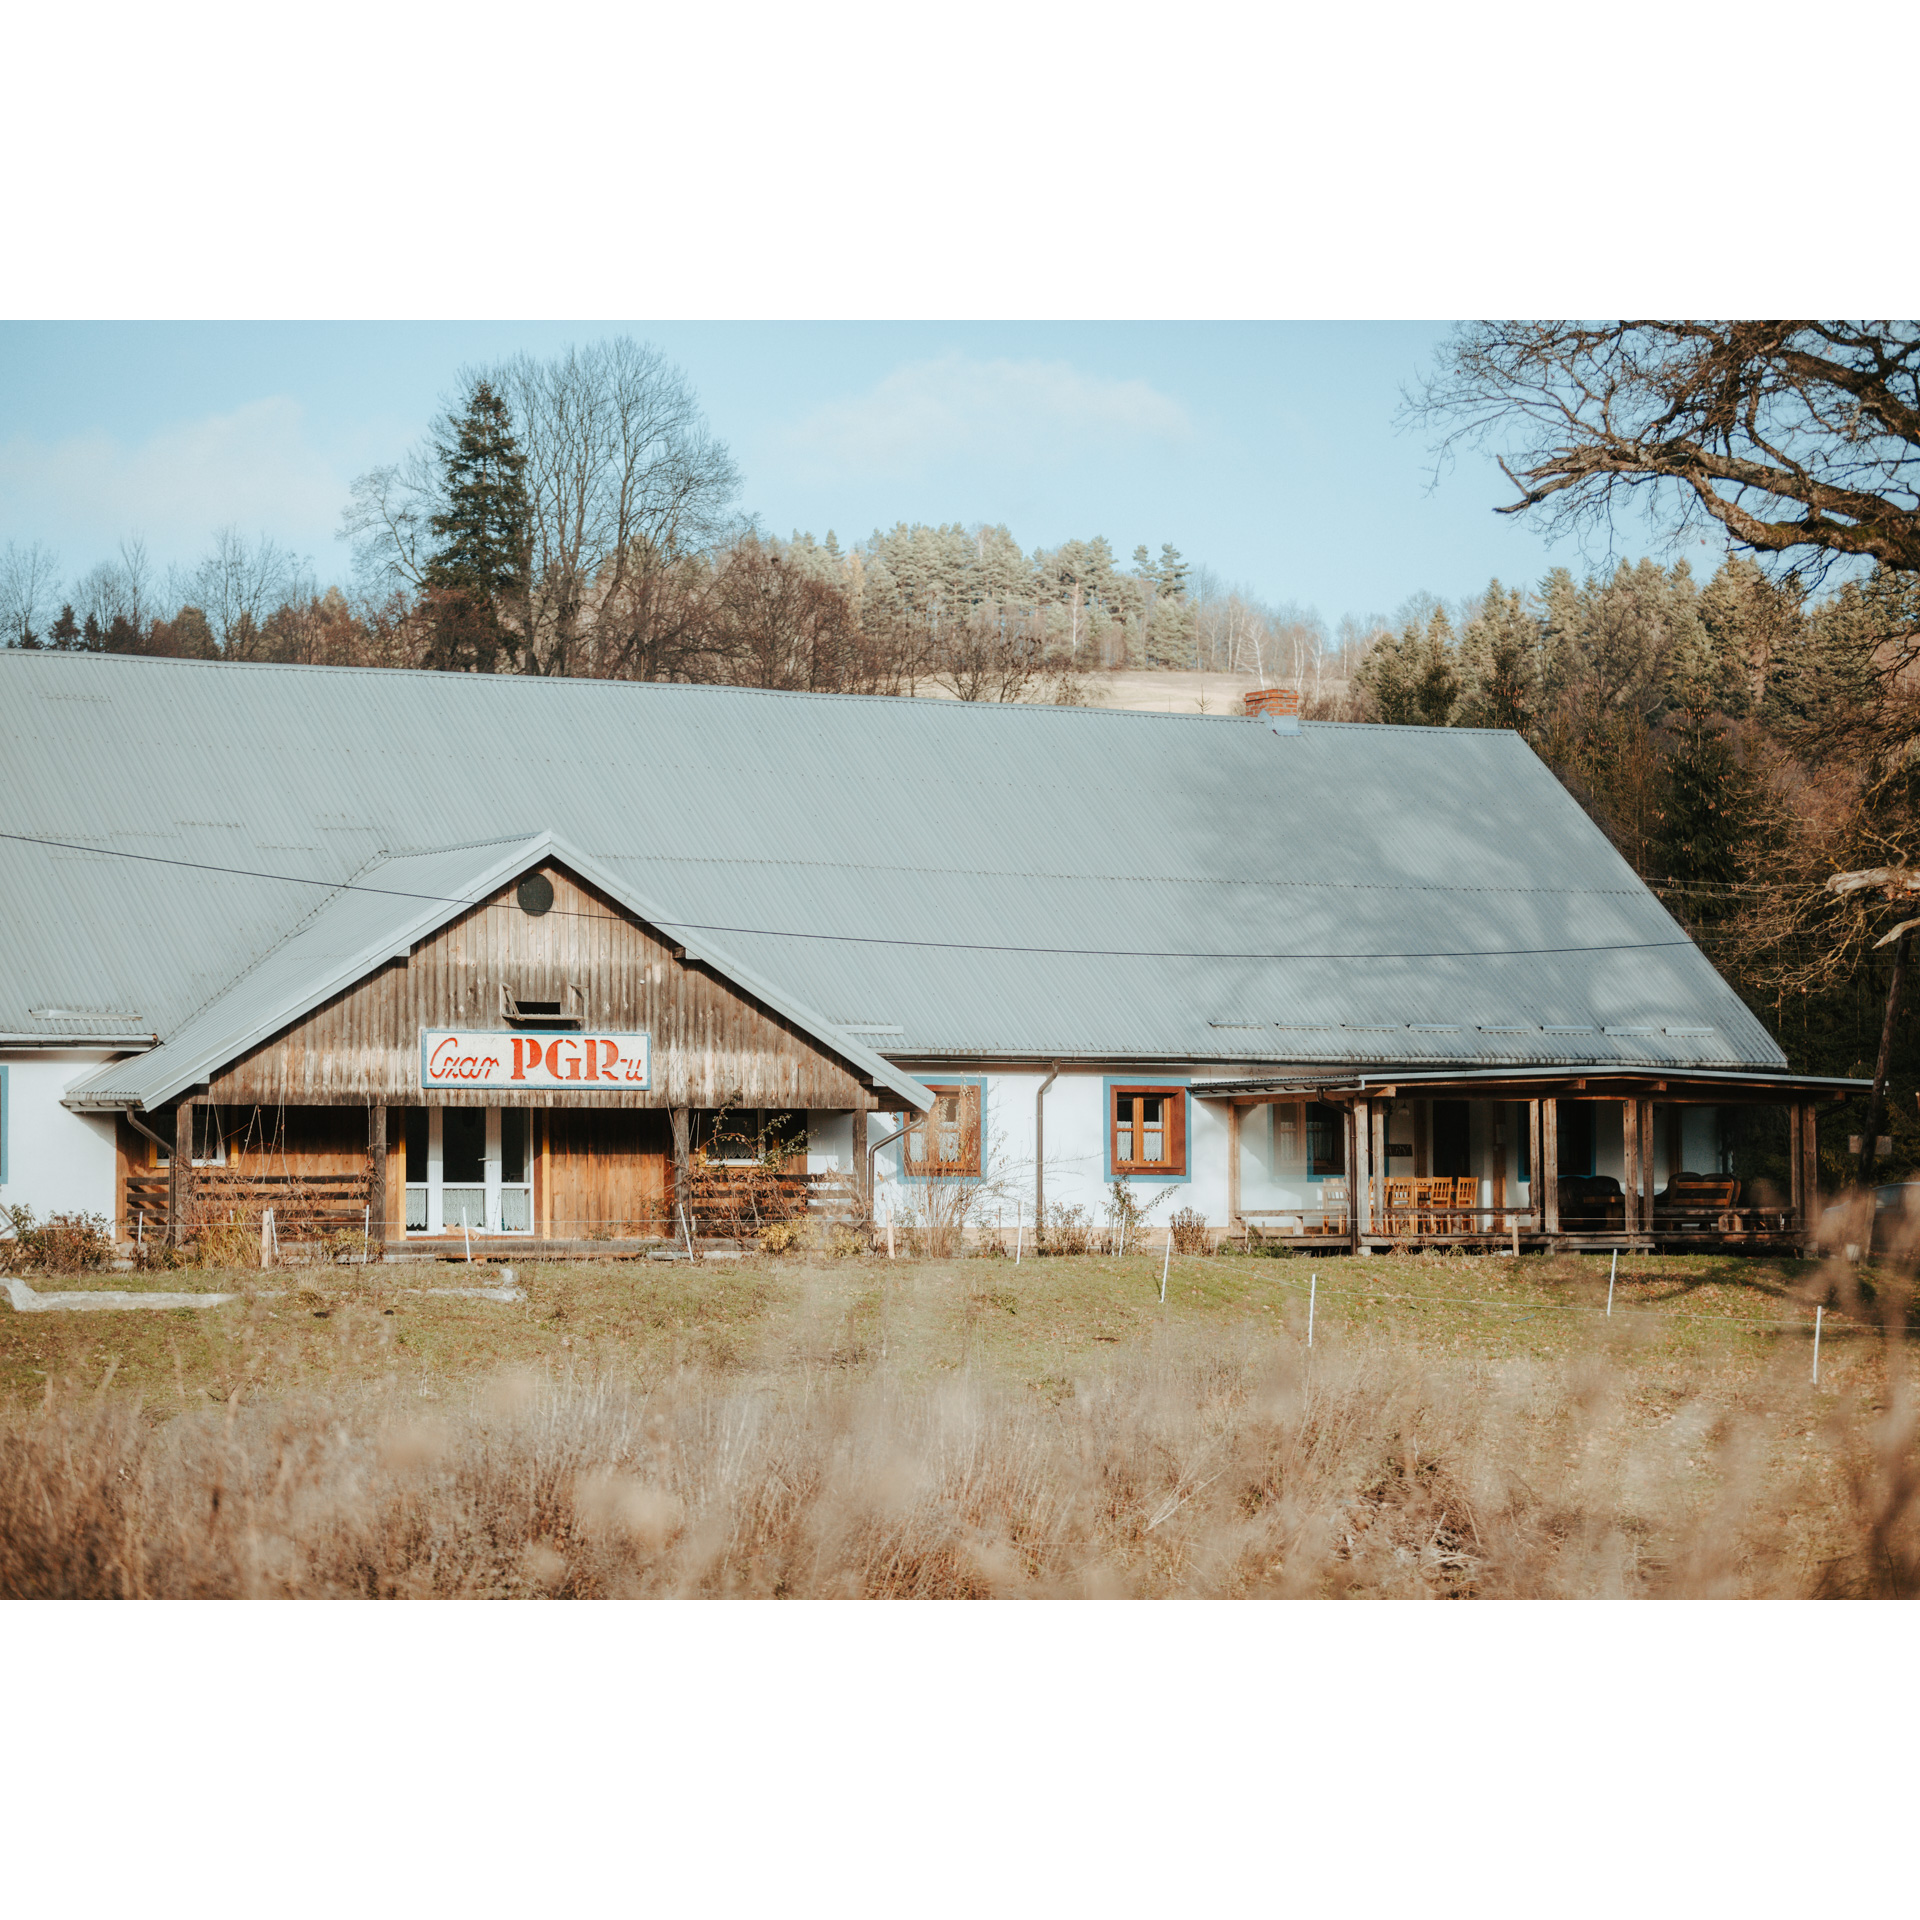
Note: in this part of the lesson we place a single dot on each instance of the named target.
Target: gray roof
(938, 880)
(380, 915)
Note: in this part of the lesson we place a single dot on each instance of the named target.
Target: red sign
(547, 1062)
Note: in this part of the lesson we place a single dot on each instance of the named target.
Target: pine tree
(1500, 657)
(480, 566)
(1705, 813)
(65, 631)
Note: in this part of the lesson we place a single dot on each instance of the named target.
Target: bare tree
(624, 482)
(119, 597)
(625, 486)
(238, 587)
(387, 518)
(29, 587)
(1801, 438)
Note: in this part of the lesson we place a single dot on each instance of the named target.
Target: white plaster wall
(1700, 1140)
(1076, 1150)
(830, 1142)
(57, 1162)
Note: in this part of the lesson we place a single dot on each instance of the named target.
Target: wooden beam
(377, 1170)
(682, 1187)
(1646, 1166)
(1359, 1128)
(1233, 1164)
(1548, 1166)
(180, 1182)
(860, 1156)
(1796, 1166)
(1631, 1162)
(1533, 1159)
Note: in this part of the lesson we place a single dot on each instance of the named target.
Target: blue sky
(1265, 451)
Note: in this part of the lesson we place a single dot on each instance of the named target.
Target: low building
(407, 955)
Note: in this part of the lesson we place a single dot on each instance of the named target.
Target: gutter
(117, 1042)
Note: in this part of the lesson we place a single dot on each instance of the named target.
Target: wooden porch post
(1647, 1174)
(682, 1195)
(1359, 1172)
(1234, 1119)
(377, 1171)
(180, 1175)
(1548, 1166)
(1630, 1163)
(1533, 1162)
(1810, 1159)
(1796, 1182)
(860, 1156)
(1631, 1139)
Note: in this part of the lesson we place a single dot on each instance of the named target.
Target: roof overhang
(1598, 1082)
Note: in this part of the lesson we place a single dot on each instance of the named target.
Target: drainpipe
(885, 1140)
(1040, 1156)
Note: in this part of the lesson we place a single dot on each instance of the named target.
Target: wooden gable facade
(320, 1109)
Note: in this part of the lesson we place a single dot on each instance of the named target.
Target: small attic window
(535, 895)
(568, 1011)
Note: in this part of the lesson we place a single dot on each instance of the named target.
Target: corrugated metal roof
(378, 916)
(987, 880)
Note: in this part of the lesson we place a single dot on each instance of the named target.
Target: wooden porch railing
(304, 1205)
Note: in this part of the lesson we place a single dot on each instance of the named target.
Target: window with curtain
(1149, 1130)
(945, 1142)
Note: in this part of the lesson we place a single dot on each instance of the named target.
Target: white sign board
(548, 1062)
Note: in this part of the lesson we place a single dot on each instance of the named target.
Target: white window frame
(494, 1187)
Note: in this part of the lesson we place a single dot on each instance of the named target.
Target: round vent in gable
(535, 894)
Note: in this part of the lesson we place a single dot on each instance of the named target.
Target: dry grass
(978, 1429)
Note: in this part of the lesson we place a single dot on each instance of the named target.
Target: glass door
(463, 1168)
(513, 1210)
(469, 1169)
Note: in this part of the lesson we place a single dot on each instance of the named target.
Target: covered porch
(1526, 1158)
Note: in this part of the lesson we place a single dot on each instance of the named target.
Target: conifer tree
(65, 631)
(1705, 813)
(479, 569)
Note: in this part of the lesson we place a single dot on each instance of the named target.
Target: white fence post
(1817, 1312)
(1313, 1292)
(1611, 1272)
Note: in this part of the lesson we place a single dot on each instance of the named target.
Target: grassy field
(1461, 1425)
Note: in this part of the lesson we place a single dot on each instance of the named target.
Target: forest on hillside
(1740, 738)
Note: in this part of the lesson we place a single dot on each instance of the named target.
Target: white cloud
(1021, 411)
(252, 467)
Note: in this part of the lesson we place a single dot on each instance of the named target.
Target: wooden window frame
(1174, 1126)
(972, 1096)
(158, 1156)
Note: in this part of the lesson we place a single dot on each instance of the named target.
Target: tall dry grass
(1367, 1469)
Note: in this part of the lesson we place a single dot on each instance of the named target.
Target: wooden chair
(1333, 1206)
(1399, 1214)
(1466, 1202)
(1436, 1203)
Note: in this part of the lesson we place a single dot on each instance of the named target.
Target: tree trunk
(1877, 1099)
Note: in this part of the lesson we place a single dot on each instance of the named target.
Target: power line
(863, 939)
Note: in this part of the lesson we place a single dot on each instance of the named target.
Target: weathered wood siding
(609, 1172)
(711, 1045)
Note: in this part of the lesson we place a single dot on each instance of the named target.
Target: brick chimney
(1281, 705)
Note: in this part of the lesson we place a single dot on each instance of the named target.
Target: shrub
(65, 1243)
(1069, 1230)
(1191, 1233)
